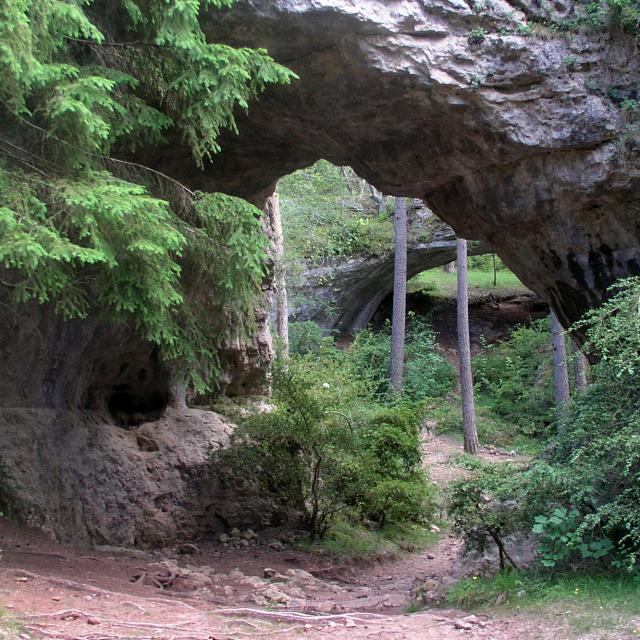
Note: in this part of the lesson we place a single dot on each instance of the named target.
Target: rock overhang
(511, 139)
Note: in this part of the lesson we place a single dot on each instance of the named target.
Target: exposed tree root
(296, 616)
(80, 586)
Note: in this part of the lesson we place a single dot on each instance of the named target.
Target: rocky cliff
(512, 133)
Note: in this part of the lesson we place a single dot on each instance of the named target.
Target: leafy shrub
(307, 337)
(496, 502)
(427, 373)
(323, 450)
(560, 539)
(599, 443)
(334, 202)
(393, 501)
(515, 378)
(476, 36)
(589, 480)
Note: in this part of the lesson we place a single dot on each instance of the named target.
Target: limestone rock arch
(511, 140)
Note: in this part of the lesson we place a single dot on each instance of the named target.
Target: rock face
(96, 442)
(85, 480)
(512, 139)
(343, 294)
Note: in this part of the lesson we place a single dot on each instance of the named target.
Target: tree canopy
(86, 84)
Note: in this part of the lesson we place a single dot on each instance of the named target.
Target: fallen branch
(296, 616)
(267, 633)
(87, 587)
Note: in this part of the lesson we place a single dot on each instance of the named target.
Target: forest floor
(50, 590)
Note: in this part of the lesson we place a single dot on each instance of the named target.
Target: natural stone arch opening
(505, 141)
(356, 287)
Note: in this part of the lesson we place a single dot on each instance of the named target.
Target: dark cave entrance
(130, 387)
(129, 406)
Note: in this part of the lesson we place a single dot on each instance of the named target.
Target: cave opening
(129, 386)
(130, 407)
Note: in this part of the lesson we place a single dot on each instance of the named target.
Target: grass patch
(348, 541)
(492, 429)
(586, 601)
(440, 284)
(9, 629)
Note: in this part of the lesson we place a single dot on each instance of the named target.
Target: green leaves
(562, 539)
(94, 241)
(207, 82)
(313, 457)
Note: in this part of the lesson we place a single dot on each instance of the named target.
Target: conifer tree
(469, 430)
(399, 296)
(282, 303)
(84, 84)
(560, 370)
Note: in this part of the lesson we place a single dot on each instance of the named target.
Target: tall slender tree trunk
(495, 270)
(399, 296)
(469, 430)
(579, 367)
(560, 372)
(282, 303)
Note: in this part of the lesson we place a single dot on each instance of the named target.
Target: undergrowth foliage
(331, 451)
(427, 374)
(514, 379)
(581, 498)
(84, 84)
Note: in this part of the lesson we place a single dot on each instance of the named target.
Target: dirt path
(218, 592)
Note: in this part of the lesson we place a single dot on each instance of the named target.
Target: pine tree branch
(11, 156)
(137, 165)
(116, 45)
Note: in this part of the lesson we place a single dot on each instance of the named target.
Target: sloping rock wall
(512, 139)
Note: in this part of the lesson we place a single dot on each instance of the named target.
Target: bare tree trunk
(282, 304)
(560, 372)
(464, 354)
(579, 367)
(495, 271)
(399, 296)
(450, 267)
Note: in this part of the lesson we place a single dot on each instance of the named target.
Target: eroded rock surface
(512, 139)
(83, 479)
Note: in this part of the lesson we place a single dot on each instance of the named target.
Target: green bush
(499, 500)
(427, 373)
(583, 497)
(307, 337)
(327, 448)
(332, 201)
(514, 379)
(561, 540)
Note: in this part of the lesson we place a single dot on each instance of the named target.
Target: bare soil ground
(51, 590)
